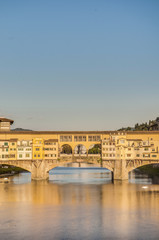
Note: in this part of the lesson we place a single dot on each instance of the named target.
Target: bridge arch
(141, 164)
(80, 149)
(21, 164)
(66, 149)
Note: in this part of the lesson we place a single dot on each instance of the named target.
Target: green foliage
(96, 149)
(66, 149)
(150, 170)
(11, 169)
(139, 127)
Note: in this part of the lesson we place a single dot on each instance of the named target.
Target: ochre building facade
(39, 151)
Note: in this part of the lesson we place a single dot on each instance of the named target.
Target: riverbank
(10, 171)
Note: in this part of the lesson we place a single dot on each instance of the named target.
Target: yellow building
(122, 147)
(38, 148)
(51, 149)
(13, 149)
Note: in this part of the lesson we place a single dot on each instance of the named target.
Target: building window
(146, 155)
(66, 138)
(20, 155)
(128, 155)
(80, 138)
(146, 149)
(20, 149)
(93, 138)
(154, 155)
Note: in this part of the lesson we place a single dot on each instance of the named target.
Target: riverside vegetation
(10, 170)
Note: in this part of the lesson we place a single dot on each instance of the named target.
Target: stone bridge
(40, 168)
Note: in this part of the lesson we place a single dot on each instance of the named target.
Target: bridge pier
(120, 170)
(38, 171)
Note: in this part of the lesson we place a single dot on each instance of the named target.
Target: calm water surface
(79, 204)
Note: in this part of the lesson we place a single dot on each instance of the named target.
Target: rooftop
(2, 119)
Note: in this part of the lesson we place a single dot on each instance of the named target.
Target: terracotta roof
(6, 120)
(78, 132)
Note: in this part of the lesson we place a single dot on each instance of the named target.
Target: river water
(79, 204)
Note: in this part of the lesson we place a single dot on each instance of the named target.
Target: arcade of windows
(80, 138)
(65, 138)
(91, 138)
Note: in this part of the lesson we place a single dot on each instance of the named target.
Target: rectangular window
(154, 155)
(37, 149)
(80, 138)
(146, 155)
(146, 149)
(66, 138)
(93, 138)
(128, 155)
(20, 156)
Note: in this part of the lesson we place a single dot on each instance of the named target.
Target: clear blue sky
(79, 64)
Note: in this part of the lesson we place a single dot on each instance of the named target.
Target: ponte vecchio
(40, 151)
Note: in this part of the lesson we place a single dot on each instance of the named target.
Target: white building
(24, 150)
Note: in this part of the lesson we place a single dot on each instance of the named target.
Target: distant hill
(147, 126)
(21, 129)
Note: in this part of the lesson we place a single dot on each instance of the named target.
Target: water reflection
(79, 205)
